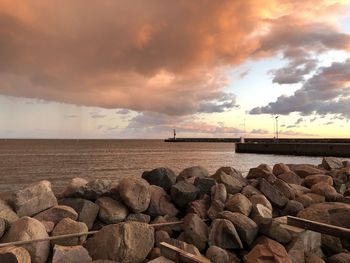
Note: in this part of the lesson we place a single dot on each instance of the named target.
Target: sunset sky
(138, 69)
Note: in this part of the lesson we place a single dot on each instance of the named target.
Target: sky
(139, 69)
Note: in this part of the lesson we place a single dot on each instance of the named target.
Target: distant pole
(276, 128)
(174, 135)
(244, 127)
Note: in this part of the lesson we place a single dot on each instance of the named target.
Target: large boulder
(275, 231)
(275, 196)
(74, 187)
(91, 190)
(162, 177)
(260, 199)
(69, 226)
(87, 210)
(7, 213)
(135, 193)
(284, 188)
(262, 171)
(239, 203)
(310, 180)
(280, 168)
(246, 228)
(71, 254)
(304, 170)
(111, 211)
(190, 172)
(128, 242)
(261, 214)
(234, 173)
(290, 178)
(330, 163)
(182, 193)
(35, 198)
(204, 184)
(326, 190)
(14, 255)
(223, 234)
(232, 184)
(25, 229)
(160, 203)
(196, 231)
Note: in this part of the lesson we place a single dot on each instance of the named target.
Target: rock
(276, 232)
(128, 242)
(310, 180)
(199, 207)
(260, 199)
(326, 190)
(261, 214)
(72, 254)
(27, 228)
(195, 171)
(316, 198)
(346, 163)
(160, 203)
(268, 251)
(232, 184)
(219, 193)
(204, 184)
(14, 255)
(87, 210)
(249, 191)
(138, 217)
(234, 173)
(96, 188)
(305, 200)
(183, 193)
(154, 254)
(181, 245)
(331, 245)
(217, 255)
(290, 178)
(239, 203)
(292, 208)
(161, 259)
(111, 211)
(246, 228)
(299, 190)
(339, 217)
(223, 234)
(7, 213)
(304, 170)
(280, 168)
(35, 198)
(50, 217)
(69, 226)
(276, 197)
(313, 258)
(135, 193)
(284, 188)
(339, 258)
(161, 236)
(296, 250)
(162, 177)
(74, 187)
(196, 231)
(330, 163)
(2, 227)
(260, 172)
(161, 220)
(215, 208)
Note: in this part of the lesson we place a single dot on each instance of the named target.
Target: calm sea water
(26, 161)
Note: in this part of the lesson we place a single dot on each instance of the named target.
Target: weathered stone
(326, 190)
(330, 163)
(161, 220)
(138, 217)
(313, 258)
(292, 208)
(299, 190)
(87, 210)
(7, 213)
(276, 232)
(290, 178)
(305, 200)
(234, 173)
(182, 193)
(111, 211)
(296, 251)
(249, 191)
(74, 187)
(261, 214)
(246, 228)
(155, 254)
(72, 254)
(331, 245)
(217, 255)
(346, 163)
(161, 259)
(181, 245)
(161, 236)
(310, 180)
(268, 251)
(196, 231)
(260, 172)
(232, 184)
(14, 255)
(280, 168)
(339, 217)
(160, 203)
(304, 170)
(128, 242)
(194, 171)
(316, 198)
(223, 234)
(69, 226)
(284, 188)
(135, 193)
(204, 184)
(219, 193)
(239, 203)
(215, 208)
(2, 227)
(260, 199)
(199, 207)
(339, 258)
(162, 177)
(34, 199)
(273, 194)
(50, 217)
(25, 229)
(96, 188)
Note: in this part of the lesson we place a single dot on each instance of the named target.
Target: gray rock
(71, 254)
(196, 231)
(292, 208)
(160, 203)
(35, 198)
(204, 184)
(14, 255)
(74, 187)
(27, 228)
(260, 199)
(219, 193)
(182, 193)
(261, 214)
(232, 184)
(138, 217)
(87, 210)
(195, 171)
(276, 232)
(7, 213)
(276, 197)
(111, 211)
(128, 242)
(69, 226)
(239, 203)
(330, 163)
(96, 188)
(162, 177)
(223, 234)
(135, 193)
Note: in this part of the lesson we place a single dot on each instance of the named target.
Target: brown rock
(7, 213)
(330, 163)
(14, 255)
(304, 170)
(215, 208)
(34, 199)
(280, 168)
(195, 171)
(305, 200)
(239, 203)
(276, 232)
(181, 245)
(161, 236)
(316, 198)
(310, 180)
(219, 193)
(182, 193)
(204, 184)
(69, 226)
(161, 259)
(111, 211)
(218, 255)
(299, 190)
(223, 234)
(261, 214)
(284, 188)
(326, 190)
(260, 199)
(72, 254)
(135, 193)
(275, 196)
(199, 207)
(313, 258)
(196, 231)
(290, 178)
(234, 173)
(292, 208)
(250, 190)
(339, 258)
(2, 227)
(160, 203)
(162, 177)
(331, 245)
(232, 184)
(260, 172)
(138, 217)
(74, 187)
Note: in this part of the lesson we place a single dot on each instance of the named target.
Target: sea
(25, 161)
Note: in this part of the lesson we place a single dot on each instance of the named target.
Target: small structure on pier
(174, 135)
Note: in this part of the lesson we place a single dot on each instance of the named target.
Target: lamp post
(276, 118)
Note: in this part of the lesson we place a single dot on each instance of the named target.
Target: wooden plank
(180, 255)
(319, 227)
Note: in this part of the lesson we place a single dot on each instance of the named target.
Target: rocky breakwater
(226, 217)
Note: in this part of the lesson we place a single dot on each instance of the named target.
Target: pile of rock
(227, 217)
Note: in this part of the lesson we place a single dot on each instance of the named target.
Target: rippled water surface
(25, 161)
